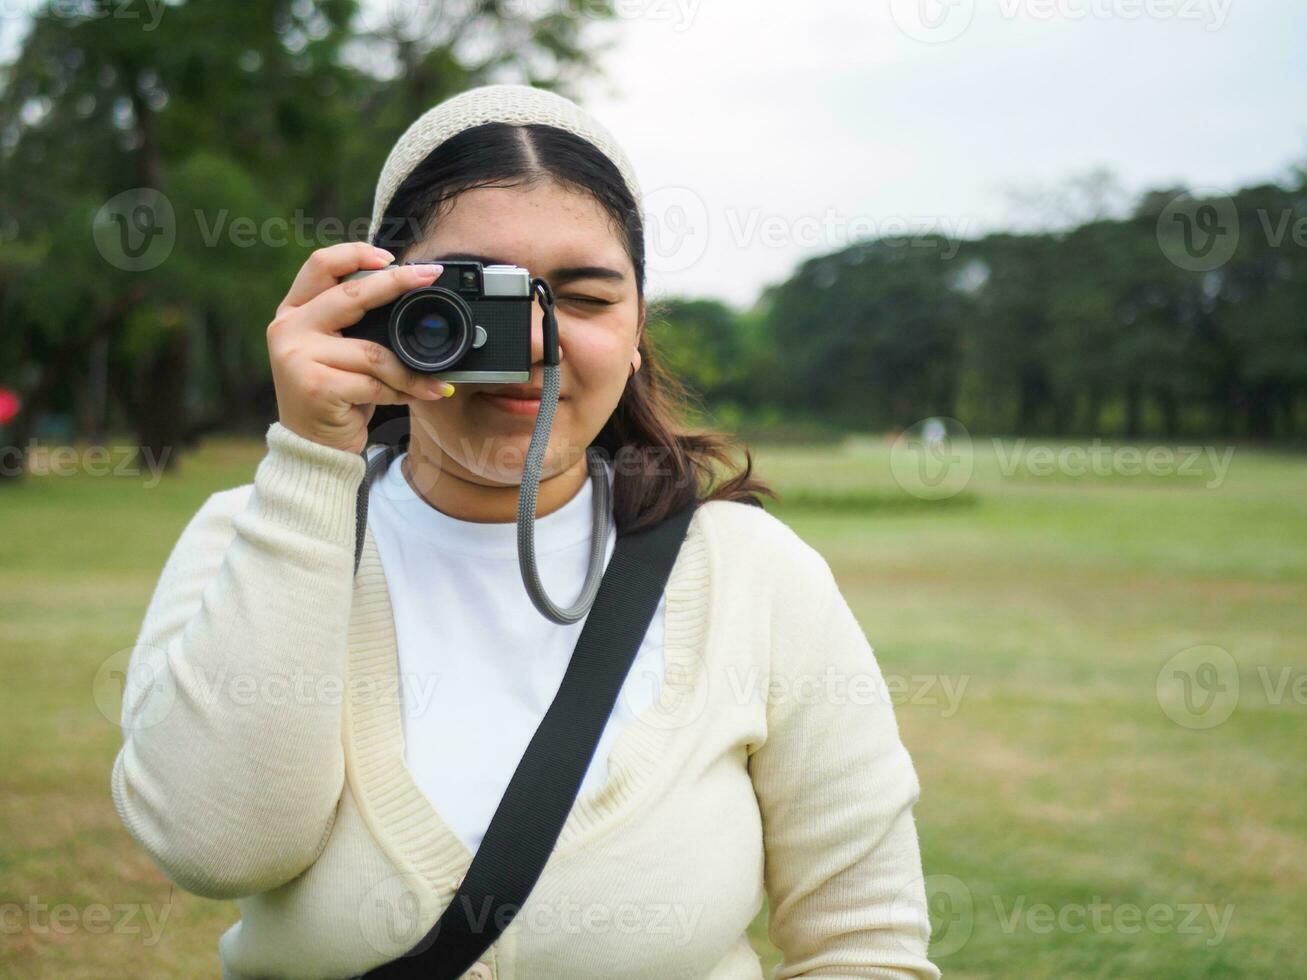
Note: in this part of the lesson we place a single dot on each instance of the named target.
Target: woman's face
(566, 237)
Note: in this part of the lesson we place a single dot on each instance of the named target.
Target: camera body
(472, 324)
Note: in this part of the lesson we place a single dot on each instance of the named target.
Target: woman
(328, 748)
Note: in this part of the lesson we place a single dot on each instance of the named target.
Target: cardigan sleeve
(232, 763)
(836, 787)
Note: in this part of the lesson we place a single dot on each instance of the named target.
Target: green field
(1084, 813)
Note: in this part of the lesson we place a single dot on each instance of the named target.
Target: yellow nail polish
(449, 389)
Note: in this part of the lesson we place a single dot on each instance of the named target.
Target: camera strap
(535, 806)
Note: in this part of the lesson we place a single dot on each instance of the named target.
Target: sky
(766, 134)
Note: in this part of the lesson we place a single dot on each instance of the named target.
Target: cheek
(597, 354)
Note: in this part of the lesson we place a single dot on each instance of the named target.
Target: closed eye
(592, 300)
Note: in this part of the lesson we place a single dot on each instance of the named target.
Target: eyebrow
(559, 277)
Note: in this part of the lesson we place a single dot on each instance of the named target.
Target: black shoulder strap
(375, 467)
(539, 797)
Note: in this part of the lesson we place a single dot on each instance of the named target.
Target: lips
(515, 399)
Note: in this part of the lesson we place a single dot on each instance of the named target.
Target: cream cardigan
(263, 761)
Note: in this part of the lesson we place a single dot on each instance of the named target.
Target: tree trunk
(1132, 410)
(91, 395)
(162, 419)
(1170, 412)
(1259, 412)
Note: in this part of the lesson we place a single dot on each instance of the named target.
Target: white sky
(764, 133)
(733, 111)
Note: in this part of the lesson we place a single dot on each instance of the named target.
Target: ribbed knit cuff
(309, 487)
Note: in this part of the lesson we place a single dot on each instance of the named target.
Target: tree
(260, 130)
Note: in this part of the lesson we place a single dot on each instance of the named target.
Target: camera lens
(430, 329)
(431, 335)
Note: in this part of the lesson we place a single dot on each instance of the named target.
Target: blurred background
(1007, 298)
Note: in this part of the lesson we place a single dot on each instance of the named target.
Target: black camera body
(472, 324)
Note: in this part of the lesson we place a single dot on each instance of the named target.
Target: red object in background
(9, 405)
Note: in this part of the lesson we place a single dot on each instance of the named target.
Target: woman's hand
(328, 386)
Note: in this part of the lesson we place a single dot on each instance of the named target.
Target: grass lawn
(1102, 676)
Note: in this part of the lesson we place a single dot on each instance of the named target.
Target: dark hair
(674, 463)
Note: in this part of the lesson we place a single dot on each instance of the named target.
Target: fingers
(326, 266)
(352, 388)
(366, 357)
(345, 303)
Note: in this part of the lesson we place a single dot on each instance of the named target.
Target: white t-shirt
(479, 665)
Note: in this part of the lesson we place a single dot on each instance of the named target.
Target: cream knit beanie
(492, 103)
